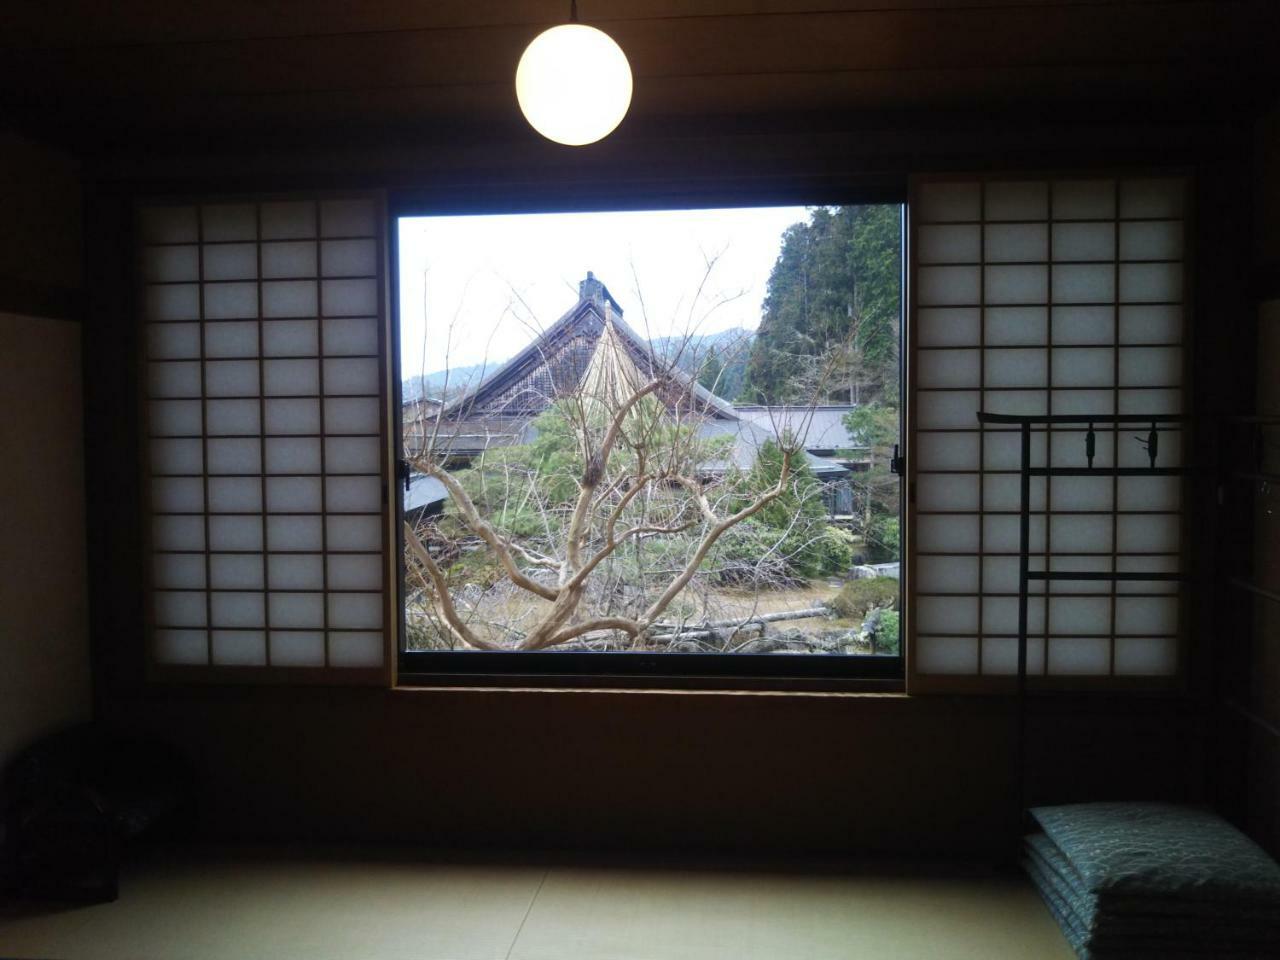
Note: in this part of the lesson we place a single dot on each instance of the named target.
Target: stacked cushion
(1139, 880)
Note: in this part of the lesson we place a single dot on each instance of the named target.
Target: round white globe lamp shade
(573, 84)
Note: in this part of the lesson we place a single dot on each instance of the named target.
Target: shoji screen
(1043, 296)
(266, 449)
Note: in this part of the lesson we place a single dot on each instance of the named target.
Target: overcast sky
(498, 280)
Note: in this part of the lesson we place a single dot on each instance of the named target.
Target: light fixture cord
(573, 11)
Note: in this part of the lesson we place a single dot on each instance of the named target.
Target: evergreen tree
(712, 369)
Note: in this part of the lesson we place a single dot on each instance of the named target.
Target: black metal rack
(1025, 575)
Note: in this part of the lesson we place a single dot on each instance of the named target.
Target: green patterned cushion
(1160, 850)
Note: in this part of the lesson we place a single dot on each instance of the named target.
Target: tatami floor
(405, 907)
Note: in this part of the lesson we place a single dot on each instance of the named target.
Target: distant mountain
(691, 354)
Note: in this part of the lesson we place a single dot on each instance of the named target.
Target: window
(653, 442)
(266, 453)
(1045, 297)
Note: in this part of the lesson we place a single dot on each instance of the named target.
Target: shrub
(885, 632)
(858, 597)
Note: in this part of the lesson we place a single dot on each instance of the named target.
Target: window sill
(726, 686)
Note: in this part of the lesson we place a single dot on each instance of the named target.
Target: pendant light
(573, 83)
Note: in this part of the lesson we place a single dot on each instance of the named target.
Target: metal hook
(1152, 445)
(1090, 445)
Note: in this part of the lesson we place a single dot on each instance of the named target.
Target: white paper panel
(176, 378)
(362, 649)
(355, 572)
(1082, 493)
(289, 261)
(949, 244)
(291, 378)
(355, 611)
(947, 534)
(947, 655)
(238, 609)
(1020, 402)
(1004, 492)
(351, 454)
(1002, 449)
(948, 286)
(1084, 241)
(349, 258)
(351, 415)
(1084, 283)
(1079, 656)
(1080, 615)
(289, 571)
(1157, 615)
(235, 533)
(1149, 564)
(349, 298)
(293, 416)
(297, 648)
(1001, 534)
(354, 532)
(230, 301)
(178, 571)
(1083, 325)
(239, 417)
(168, 225)
(1150, 366)
(290, 338)
(1084, 402)
(948, 368)
(1084, 199)
(234, 455)
(354, 494)
(293, 455)
(231, 339)
(1148, 533)
(348, 218)
(1077, 565)
(1151, 198)
(1150, 493)
(948, 574)
(288, 220)
(229, 221)
(1000, 616)
(938, 411)
(1016, 368)
(1150, 282)
(1152, 240)
(177, 494)
(297, 609)
(239, 648)
(350, 335)
(947, 492)
(231, 261)
(185, 608)
(176, 457)
(294, 494)
(235, 494)
(949, 201)
(231, 378)
(1000, 656)
(1152, 401)
(351, 376)
(289, 298)
(1014, 243)
(946, 615)
(1160, 323)
(946, 451)
(295, 533)
(1017, 284)
(181, 647)
(173, 341)
(168, 418)
(1016, 326)
(1083, 366)
(236, 571)
(1000, 574)
(174, 302)
(1017, 200)
(1081, 534)
(943, 327)
(1146, 656)
(177, 533)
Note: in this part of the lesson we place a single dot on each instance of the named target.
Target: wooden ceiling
(132, 73)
